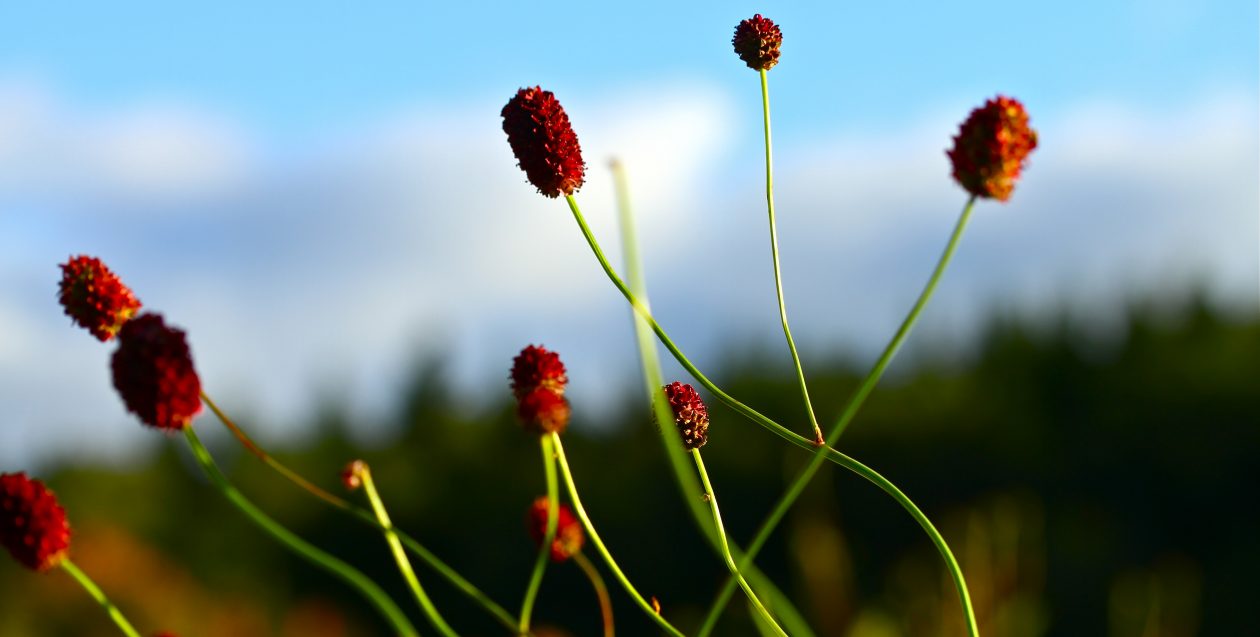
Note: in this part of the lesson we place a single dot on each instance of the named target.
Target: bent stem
(451, 575)
(99, 595)
(350, 575)
(553, 517)
(599, 543)
(774, 255)
(601, 591)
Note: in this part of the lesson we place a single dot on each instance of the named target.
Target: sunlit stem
(601, 591)
(549, 536)
(99, 595)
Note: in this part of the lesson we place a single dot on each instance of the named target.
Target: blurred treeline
(1091, 483)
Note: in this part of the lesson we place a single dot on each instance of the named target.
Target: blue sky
(315, 191)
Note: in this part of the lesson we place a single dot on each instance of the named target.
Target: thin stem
(99, 595)
(350, 575)
(599, 543)
(451, 575)
(400, 556)
(726, 548)
(601, 591)
(774, 255)
(553, 516)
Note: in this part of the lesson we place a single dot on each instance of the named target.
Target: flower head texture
(690, 414)
(543, 141)
(991, 148)
(537, 367)
(94, 297)
(543, 411)
(33, 525)
(154, 373)
(569, 534)
(757, 41)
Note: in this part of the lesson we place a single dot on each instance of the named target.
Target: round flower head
(537, 367)
(757, 41)
(991, 148)
(154, 374)
(543, 141)
(569, 534)
(690, 414)
(543, 411)
(32, 524)
(352, 475)
(94, 297)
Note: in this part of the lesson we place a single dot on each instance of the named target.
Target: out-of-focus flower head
(154, 373)
(757, 41)
(992, 147)
(537, 367)
(543, 141)
(543, 411)
(569, 534)
(690, 414)
(33, 525)
(352, 475)
(94, 297)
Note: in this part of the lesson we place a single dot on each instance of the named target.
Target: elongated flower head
(690, 414)
(33, 525)
(94, 297)
(537, 367)
(154, 373)
(569, 534)
(543, 411)
(991, 148)
(543, 141)
(757, 41)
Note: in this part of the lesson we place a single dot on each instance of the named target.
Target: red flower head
(352, 475)
(569, 534)
(757, 41)
(32, 524)
(543, 411)
(690, 414)
(537, 367)
(543, 141)
(991, 148)
(94, 297)
(154, 374)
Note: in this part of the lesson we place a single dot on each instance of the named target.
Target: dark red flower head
(757, 41)
(94, 297)
(569, 534)
(154, 374)
(543, 411)
(690, 414)
(991, 148)
(33, 525)
(543, 141)
(537, 367)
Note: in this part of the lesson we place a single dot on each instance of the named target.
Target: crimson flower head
(757, 41)
(94, 297)
(569, 534)
(543, 141)
(33, 525)
(154, 373)
(690, 414)
(991, 148)
(543, 411)
(537, 367)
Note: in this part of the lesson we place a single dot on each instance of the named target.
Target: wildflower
(543, 141)
(543, 411)
(33, 525)
(352, 475)
(154, 374)
(569, 534)
(94, 297)
(537, 367)
(991, 148)
(690, 414)
(757, 41)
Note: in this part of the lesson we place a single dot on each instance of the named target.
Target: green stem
(544, 549)
(599, 543)
(850, 410)
(774, 255)
(711, 496)
(373, 593)
(99, 595)
(400, 556)
(601, 591)
(451, 575)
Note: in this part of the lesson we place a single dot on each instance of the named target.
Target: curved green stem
(553, 516)
(450, 574)
(400, 556)
(99, 595)
(599, 543)
(726, 548)
(350, 575)
(601, 591)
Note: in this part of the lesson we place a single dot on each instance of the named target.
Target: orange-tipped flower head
(543, 411)
(543, 141)
(94, 297)
(569, 534)
(537, 367)
(154, 373)
(690, 414)
(33, 525)
(991, 148)
(757, 41)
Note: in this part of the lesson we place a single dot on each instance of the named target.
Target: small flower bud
(543, 411)
(537, 367)
(690, 414)
(94, 297)
(991, 148)
(569, 533)
(757, 41)
(154, 374)
(543, 141)
(352, 475)
(33, 525)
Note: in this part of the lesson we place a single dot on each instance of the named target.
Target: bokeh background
(321, 194)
